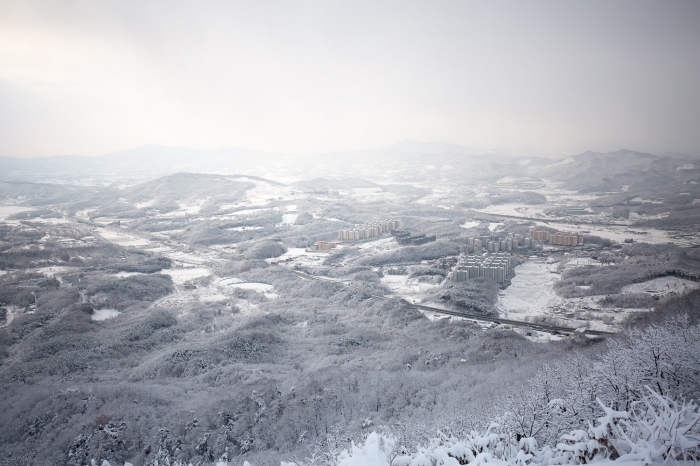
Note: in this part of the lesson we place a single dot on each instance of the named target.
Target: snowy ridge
(658, 430)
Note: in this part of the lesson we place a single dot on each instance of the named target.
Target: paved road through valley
(515, 323)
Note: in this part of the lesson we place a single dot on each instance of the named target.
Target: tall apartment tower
(539, 235)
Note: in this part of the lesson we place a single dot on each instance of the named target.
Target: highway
(467, 315)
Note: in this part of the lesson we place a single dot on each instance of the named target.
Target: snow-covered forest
(631, 404)
(213, 335)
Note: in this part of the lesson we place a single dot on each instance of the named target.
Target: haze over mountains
(433, 159)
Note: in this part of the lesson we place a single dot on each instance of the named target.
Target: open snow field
(301, 256)
(515, 210)
(378, 245)
(373, 194)
(104, 314)
(244, 228)
(126, 274)
(123, 239)
(263, 192)
(160, 249)
(408, 288)
(289, 219)
(186, 258)
(189, 208)
(53, 270)
(236, 283)
(662, 285)
(180, 276)
(531, 291)
(9, 210)
(531, 295)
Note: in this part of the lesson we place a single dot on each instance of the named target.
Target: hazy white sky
(90, 77)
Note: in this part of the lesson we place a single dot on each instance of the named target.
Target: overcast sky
(93, 77)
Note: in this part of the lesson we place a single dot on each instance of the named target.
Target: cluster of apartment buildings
(495, 267)
(492, 244)
(368, 230)
(560, 238)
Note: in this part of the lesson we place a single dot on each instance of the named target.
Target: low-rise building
(322, 246)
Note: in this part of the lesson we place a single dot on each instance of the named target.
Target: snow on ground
(52, 221)
(141, 205)
(244, 228)
(186, 257)
(229, 281)
(181, 275)
(531, 294)
(263, 288)
(260, 287)
(379, 245)
(11, 312)
(9, 210)
(247, 212)
(209, 295)
(531, 291)
(246, 307)
(159, 249)
(515, 210)
(53, 270)
(126, 274)
(291, 254)
(289, 219)
(122, 239)
(300, 256)
(471, 224)
(371, 195)
(264, 192)
(494, 225)
(190, 208)
(583, 261)
(662, 285)
(437, 194)
(105, 220)
(84, 214)
(104, 314)
(408, 288)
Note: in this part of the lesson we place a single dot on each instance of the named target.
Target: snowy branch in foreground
(657, 429)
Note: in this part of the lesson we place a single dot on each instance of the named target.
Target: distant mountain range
(410, 159)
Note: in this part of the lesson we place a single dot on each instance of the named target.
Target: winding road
(481, 317)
